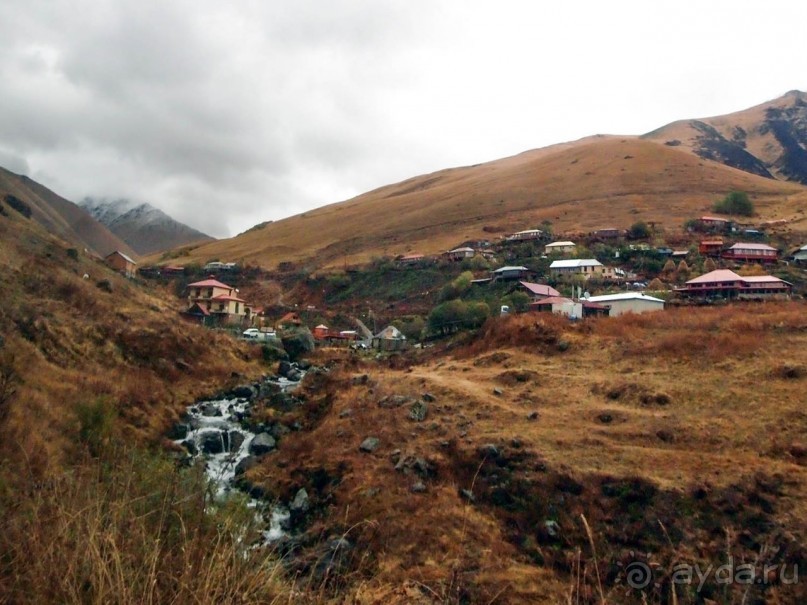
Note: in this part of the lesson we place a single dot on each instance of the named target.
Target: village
(605, 272)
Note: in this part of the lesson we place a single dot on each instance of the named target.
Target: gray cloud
(227, 114)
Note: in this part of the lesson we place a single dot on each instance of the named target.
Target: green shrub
(736, 202)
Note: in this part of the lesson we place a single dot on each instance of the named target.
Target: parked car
(256, 334)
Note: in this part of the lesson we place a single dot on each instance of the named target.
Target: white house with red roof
(213, 299)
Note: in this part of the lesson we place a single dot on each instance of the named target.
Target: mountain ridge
(142, 226)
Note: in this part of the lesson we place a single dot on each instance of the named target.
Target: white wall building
(629, 302)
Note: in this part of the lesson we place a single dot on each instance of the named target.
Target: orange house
(121, 263)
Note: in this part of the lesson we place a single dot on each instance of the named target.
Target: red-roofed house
(538, 291)
(217, 301)
(745, 252)
(710, 246)
(728, 284)
(714, 221)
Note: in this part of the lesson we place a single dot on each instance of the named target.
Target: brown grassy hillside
(593, 183)
(60, 216)
(679, 436)
(769, 139)
(74, 343)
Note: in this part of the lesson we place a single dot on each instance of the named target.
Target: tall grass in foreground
(129, 528)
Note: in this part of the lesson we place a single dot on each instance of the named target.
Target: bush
(273, 351)
(736, 202)
(639, 230)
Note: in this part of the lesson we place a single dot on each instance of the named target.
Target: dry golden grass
(592, 183)
(690, 401)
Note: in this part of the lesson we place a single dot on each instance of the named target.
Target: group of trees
(453, 315)
(736, 203)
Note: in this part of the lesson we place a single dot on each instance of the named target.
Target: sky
(227, 114)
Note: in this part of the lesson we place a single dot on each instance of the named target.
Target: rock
(489, 451)
(515, 443)
(665, 435)
(182, 365)
(428, 397)
(245, 464)
(394, 401)
(178, 431)
(283, 368)
(104, 285)
(297, 342)
(498, 391)
(236, 439)
(210, 410)
(262, 444)
(369, 445)
(468, 495)
(533, 416)
(304, 365)
(294, 375)
(213, 442)
(278, 430)
(418, 487)
(605, 418)
(418, 411)
(360, 380)
(395, 455)
(247, 391)
(190, 445)
(267, 389)
(552, 528)
(301, 503)
(346, 413)
(282, 401)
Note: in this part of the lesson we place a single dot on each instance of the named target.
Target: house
(747, 252)
(628, 302)
(121, 263)
(710, 247)
(321, 332)
(538, 291)
(510, 273)
(727, 284)
(574, 309)
(682, 254)
(528, 234)
(800, 255)
(577, 266)
(560, 248)
(411, 259)
(213, 299)
(289, 320)
(172, 270)
(608, 233)
(458, 254)
(714, 222)
(389, 339)
(214, 266)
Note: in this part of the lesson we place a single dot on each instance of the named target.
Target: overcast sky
(226, 114)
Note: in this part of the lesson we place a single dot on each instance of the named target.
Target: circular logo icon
(638, 575)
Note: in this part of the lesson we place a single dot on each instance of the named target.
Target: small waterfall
(213, 430)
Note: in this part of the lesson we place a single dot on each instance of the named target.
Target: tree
(639, 230)
(518, 301)
(709, 265)
(736, 202)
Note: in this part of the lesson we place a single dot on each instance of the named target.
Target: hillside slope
(596, 182)
(60, 216)
(142, 226)
(769, 139)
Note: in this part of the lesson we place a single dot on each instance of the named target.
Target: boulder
(301, 503)
(418, 411)
(489, 451)
(179, 431)
(369, 445)
(245, 464)
(262, 444)
(209, 410)
(283, 368)
(297, 342)
(245, 391)
(294, 375)
(213, 442)
(236, 439)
